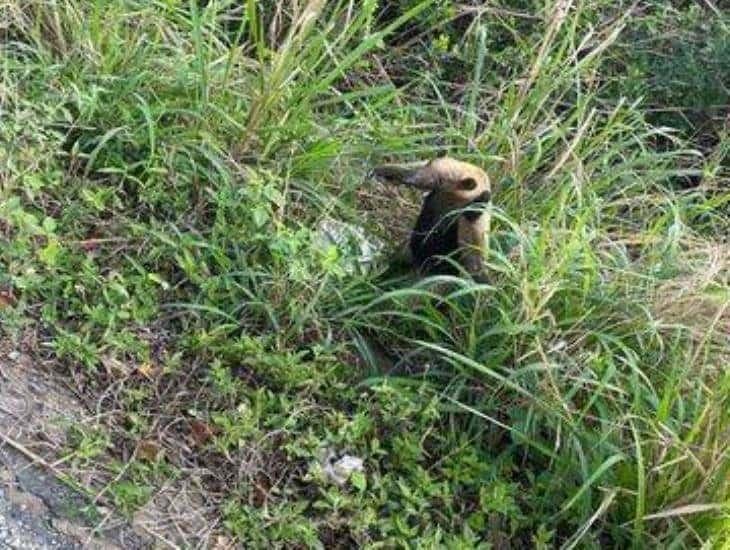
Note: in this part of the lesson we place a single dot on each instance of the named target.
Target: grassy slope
(160, 193)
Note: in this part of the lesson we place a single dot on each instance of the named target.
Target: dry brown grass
(699, 299)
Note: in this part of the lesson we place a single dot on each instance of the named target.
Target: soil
(40, 508)
(37, 509)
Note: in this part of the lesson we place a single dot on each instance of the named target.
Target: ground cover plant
(164, 167)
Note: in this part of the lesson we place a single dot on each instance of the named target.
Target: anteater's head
(459, 183)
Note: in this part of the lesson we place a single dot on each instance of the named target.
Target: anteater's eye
(467, 184)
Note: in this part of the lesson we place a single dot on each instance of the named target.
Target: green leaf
(358, 481)
(49, 253)
(49, 224)
(260, 216)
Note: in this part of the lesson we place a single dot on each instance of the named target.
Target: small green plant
(128, 496)
(87, 445)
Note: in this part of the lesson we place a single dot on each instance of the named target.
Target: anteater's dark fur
(436, 234)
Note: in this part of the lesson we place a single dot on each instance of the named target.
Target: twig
(36, 459)
(157, 536)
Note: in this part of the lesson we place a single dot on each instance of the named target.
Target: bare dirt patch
(39, 510)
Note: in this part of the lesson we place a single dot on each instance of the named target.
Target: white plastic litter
(358, 250)
(339, 471)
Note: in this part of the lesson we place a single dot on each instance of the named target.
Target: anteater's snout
(403, 175)
(392, 173)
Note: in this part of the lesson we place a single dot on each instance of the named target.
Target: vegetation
(165, 166)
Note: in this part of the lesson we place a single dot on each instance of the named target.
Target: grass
(164, 169)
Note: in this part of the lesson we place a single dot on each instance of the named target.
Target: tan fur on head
(461, 180)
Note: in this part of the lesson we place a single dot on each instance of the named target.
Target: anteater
(453, 225)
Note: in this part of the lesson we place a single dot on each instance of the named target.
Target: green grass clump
(164, 168)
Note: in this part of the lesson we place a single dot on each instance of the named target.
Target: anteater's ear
(467, 184)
